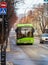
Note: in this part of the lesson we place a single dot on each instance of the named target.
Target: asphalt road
(36, 54)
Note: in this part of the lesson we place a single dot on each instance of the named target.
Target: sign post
(46, 1)
(3, 8)
(3, 12)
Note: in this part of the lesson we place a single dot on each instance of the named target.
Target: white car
(44, 38)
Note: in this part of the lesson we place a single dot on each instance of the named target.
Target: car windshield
(45, 35)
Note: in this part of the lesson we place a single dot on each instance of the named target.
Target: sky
(27, 5)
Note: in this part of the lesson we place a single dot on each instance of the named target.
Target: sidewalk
(8, 63)
(8, 46)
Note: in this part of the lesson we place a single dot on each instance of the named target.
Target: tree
(39, 16)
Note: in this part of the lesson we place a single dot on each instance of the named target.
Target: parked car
(44, 38)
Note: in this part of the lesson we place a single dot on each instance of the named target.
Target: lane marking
(43, 55)
(44, 47)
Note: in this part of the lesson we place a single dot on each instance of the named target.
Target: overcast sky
(27, 5)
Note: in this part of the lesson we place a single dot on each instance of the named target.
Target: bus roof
(20, 25)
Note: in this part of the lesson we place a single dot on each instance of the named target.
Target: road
(36, 54)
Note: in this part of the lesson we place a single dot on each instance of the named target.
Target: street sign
(3, 5)
(46, 1)
(3, 11)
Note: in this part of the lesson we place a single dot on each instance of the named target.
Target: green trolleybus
(24, 34)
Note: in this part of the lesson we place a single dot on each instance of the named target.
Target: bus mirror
(33, 30)
(15, 30)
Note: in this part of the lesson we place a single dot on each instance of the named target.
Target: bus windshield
(24, 32)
